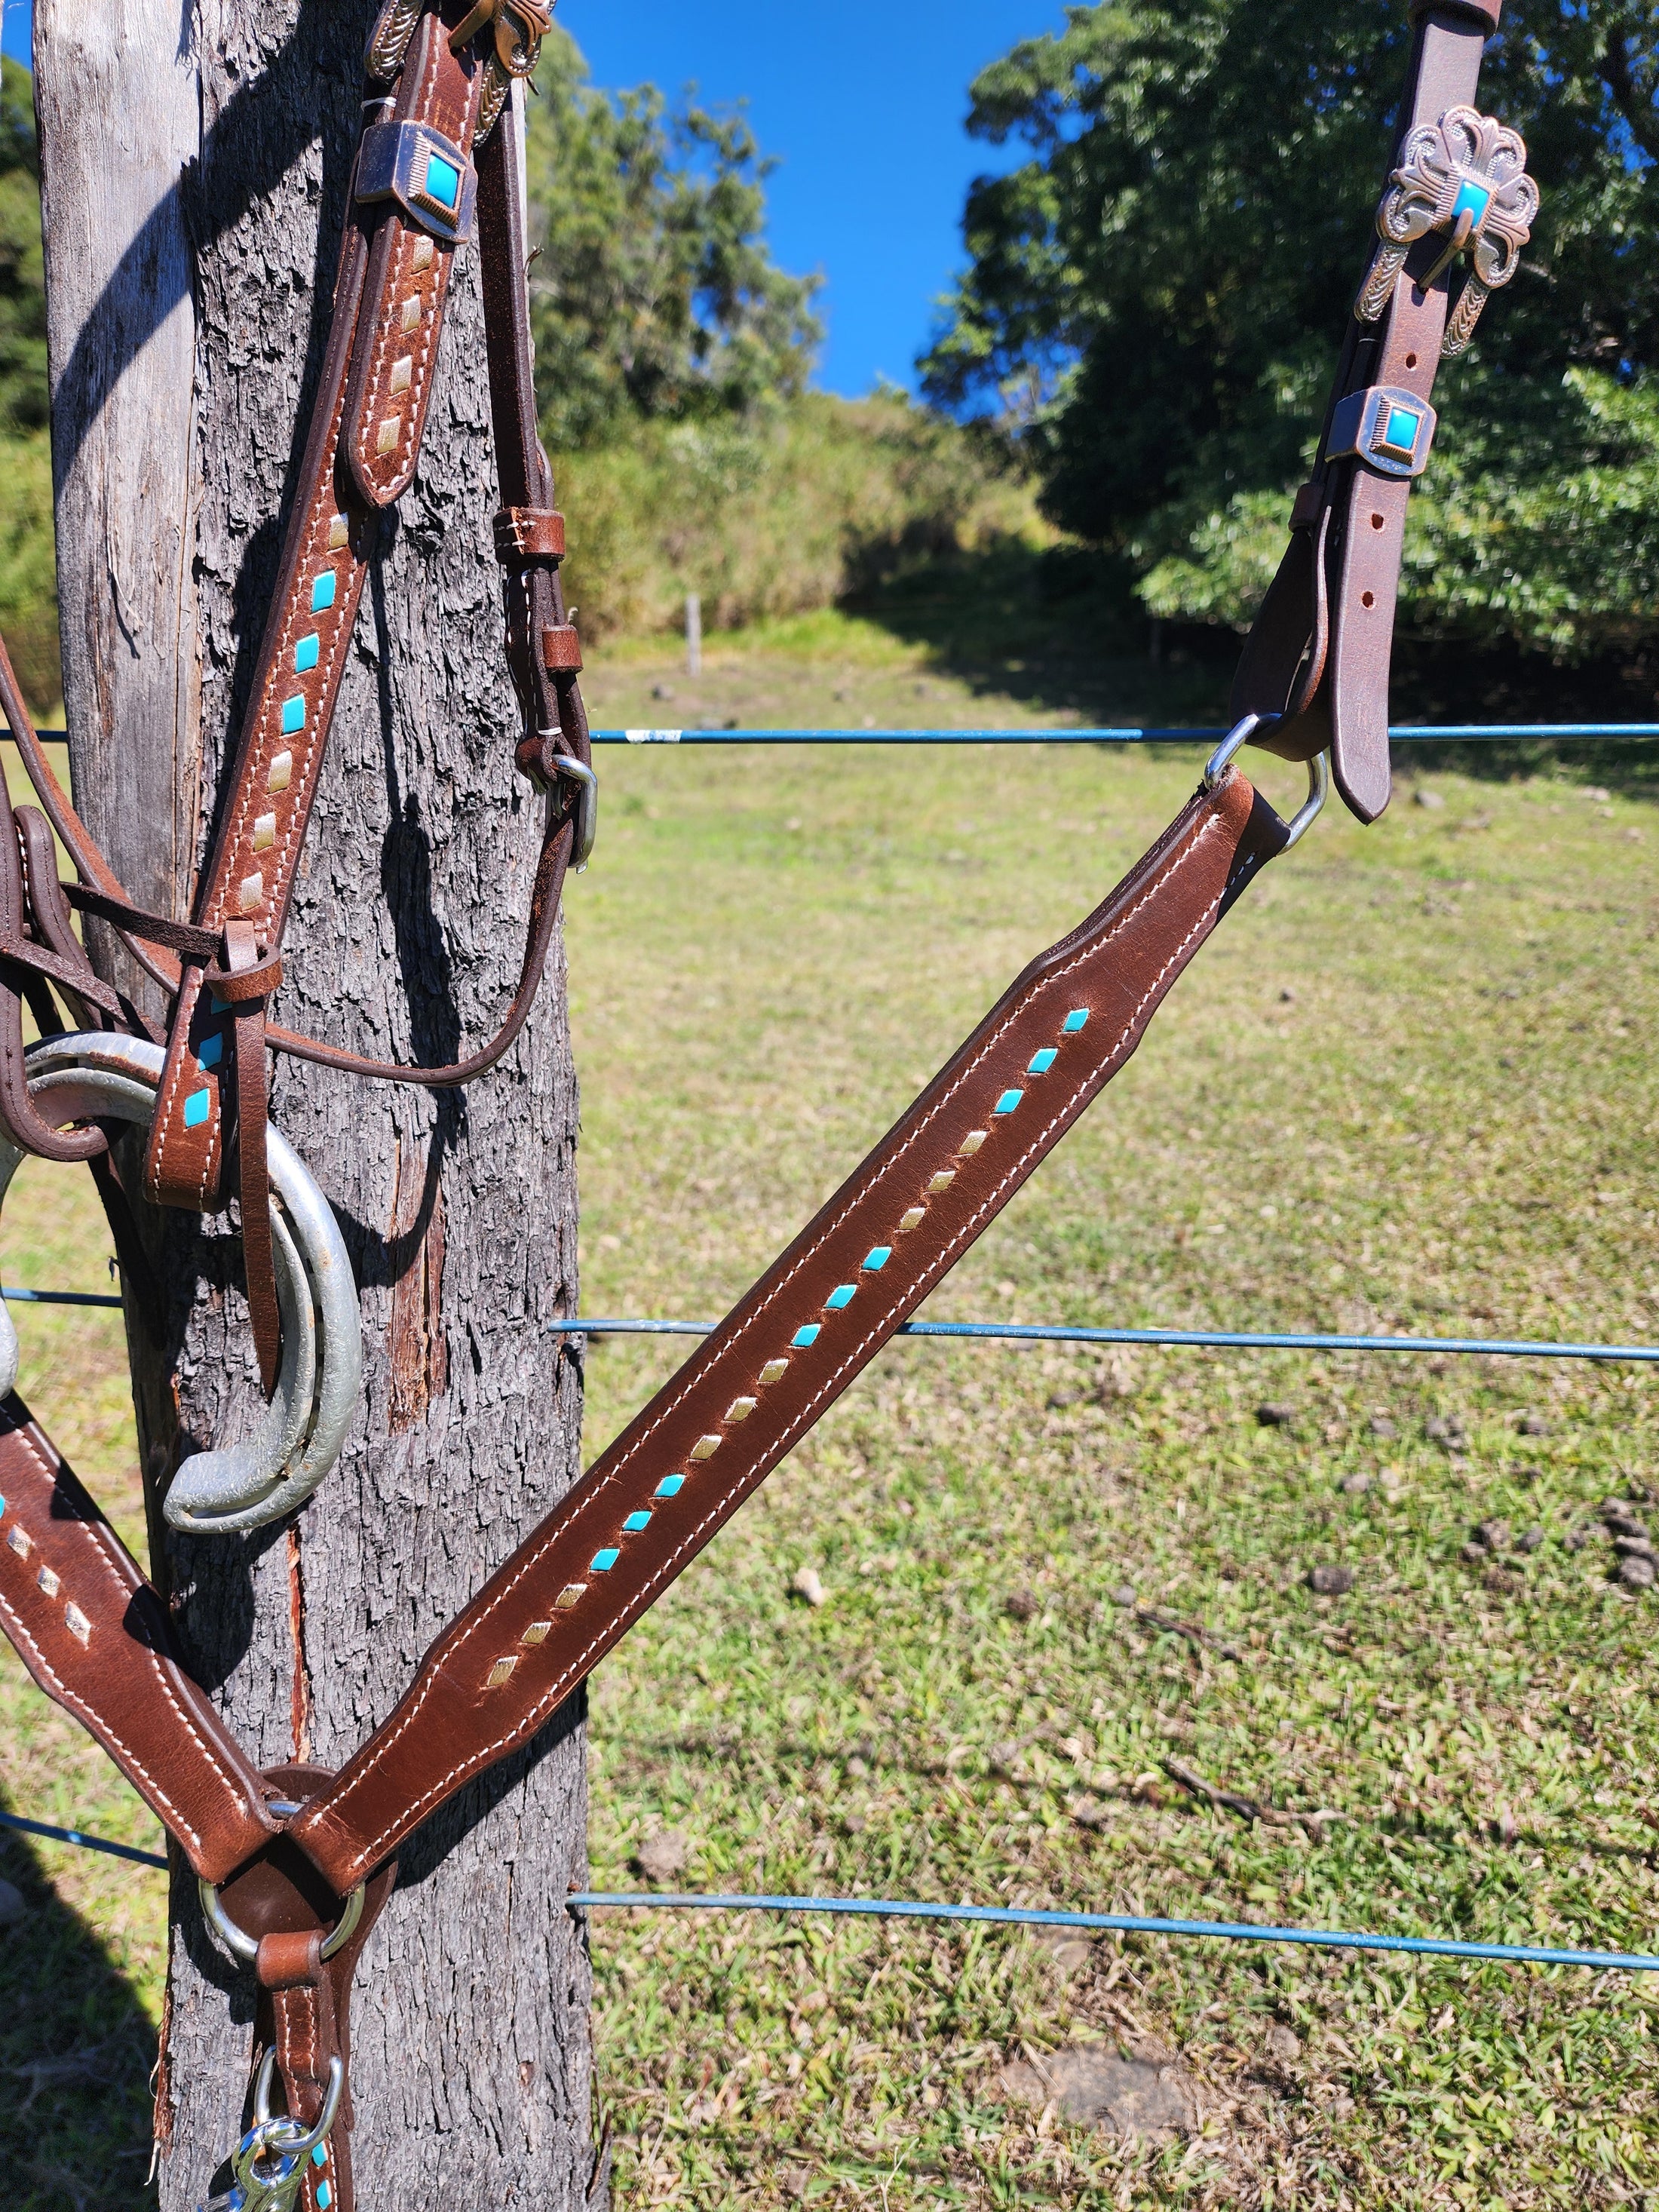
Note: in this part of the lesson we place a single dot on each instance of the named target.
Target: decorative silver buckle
(427, 174)
(1465, 175)
(1389, 429)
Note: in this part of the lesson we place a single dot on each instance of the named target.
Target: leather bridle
(296, 1864)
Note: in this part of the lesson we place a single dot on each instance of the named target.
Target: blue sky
(866, 112)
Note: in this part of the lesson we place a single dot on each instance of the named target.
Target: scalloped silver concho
(1467, 165)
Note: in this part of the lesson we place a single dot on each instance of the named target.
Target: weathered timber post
(195, 171)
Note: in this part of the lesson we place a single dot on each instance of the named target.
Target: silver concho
(1465, 175)
(99, 1075)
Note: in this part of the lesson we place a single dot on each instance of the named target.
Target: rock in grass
(1355, 1485)
(1275, 1416)
(1384, 1429)
(1022, 1605)
(1090, 1813)
(1123, 1595)
(1638, 1572)
(12, 1907)
(806, 1584)
(1332, 1581)
(662, 1858)
(1423, 797)
(1091, 2085)
(1633, 1547)
(1494, 1535)
(1446, 1428)
(1534, 1424)
(1282, 2044)
(1529, 1539)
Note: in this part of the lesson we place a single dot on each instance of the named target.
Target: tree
(654, 293)
(1171, 271)
(191, 254)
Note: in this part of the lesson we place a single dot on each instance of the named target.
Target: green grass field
(1408, 1087)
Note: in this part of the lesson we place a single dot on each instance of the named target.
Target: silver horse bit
(100, 1075)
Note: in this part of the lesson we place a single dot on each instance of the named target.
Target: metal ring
(285, 2134)
(298, 1437)
(242, 1946)
(1319, 774)
(587, 804)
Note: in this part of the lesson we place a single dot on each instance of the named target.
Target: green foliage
(1160, 291)
(654, 294)
(783, 510)
(23, 397)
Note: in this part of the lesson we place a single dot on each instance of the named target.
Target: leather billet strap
(94, 1635)
(1319, 652)
(679, 1471)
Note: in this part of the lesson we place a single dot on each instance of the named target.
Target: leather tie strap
(679, 1471)
(243, 987)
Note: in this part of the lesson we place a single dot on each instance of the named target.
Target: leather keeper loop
(258, 981)
(561, 649)
(529, 533)
(1484, 13)
(1307, 507)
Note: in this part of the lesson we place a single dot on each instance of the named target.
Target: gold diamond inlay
(49, 1581)
(501, 1671)
(264, 833)
(20, 1542)
(705, 1447)
(403, 373)
(422, 256)
(775, 1370)
(77, 1624)
(913, 1219)
(568, 1596)
(741, 1408)
(386, 437)
(970, 1144)
(943, 1181)
(339, 533)
(252, 891)
(411, 315)
(282, 773)
(538, 1632)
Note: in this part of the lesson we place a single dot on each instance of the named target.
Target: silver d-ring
(244, 1947)
(1319, 774)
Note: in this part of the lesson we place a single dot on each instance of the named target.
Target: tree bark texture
(195, 176)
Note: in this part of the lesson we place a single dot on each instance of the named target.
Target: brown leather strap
(1320, 650)
(529, 533)
(243, 987)
(304, 2010)
(790, 1346)
(21, 1118)
(94, 1635)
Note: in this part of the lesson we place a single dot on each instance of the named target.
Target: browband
(296, 1862)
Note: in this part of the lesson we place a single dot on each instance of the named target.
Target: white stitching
(940, 1264)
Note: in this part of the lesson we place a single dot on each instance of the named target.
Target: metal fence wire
(991, 1332)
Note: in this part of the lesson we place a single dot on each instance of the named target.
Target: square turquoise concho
(1398, 432)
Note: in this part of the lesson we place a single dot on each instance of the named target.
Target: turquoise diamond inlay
(634, 1523)
(1042, 1061)
(197, 1106)
(1078, 1019)
(294, 715)
(671, 1486)
(1401, 435)
(212, 1052)
(879, 1257)
(322, 592)
(319, 2156)
(305, 654)
(2, 1505)
(1008, 1101)
(443, 179)
(604, 1561)
(803, 1337)
(325, 2197)
(842, 1295)
(1472, 199)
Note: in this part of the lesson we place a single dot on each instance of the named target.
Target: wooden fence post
(194, 175)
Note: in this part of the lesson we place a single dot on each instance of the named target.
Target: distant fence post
(693, 634)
